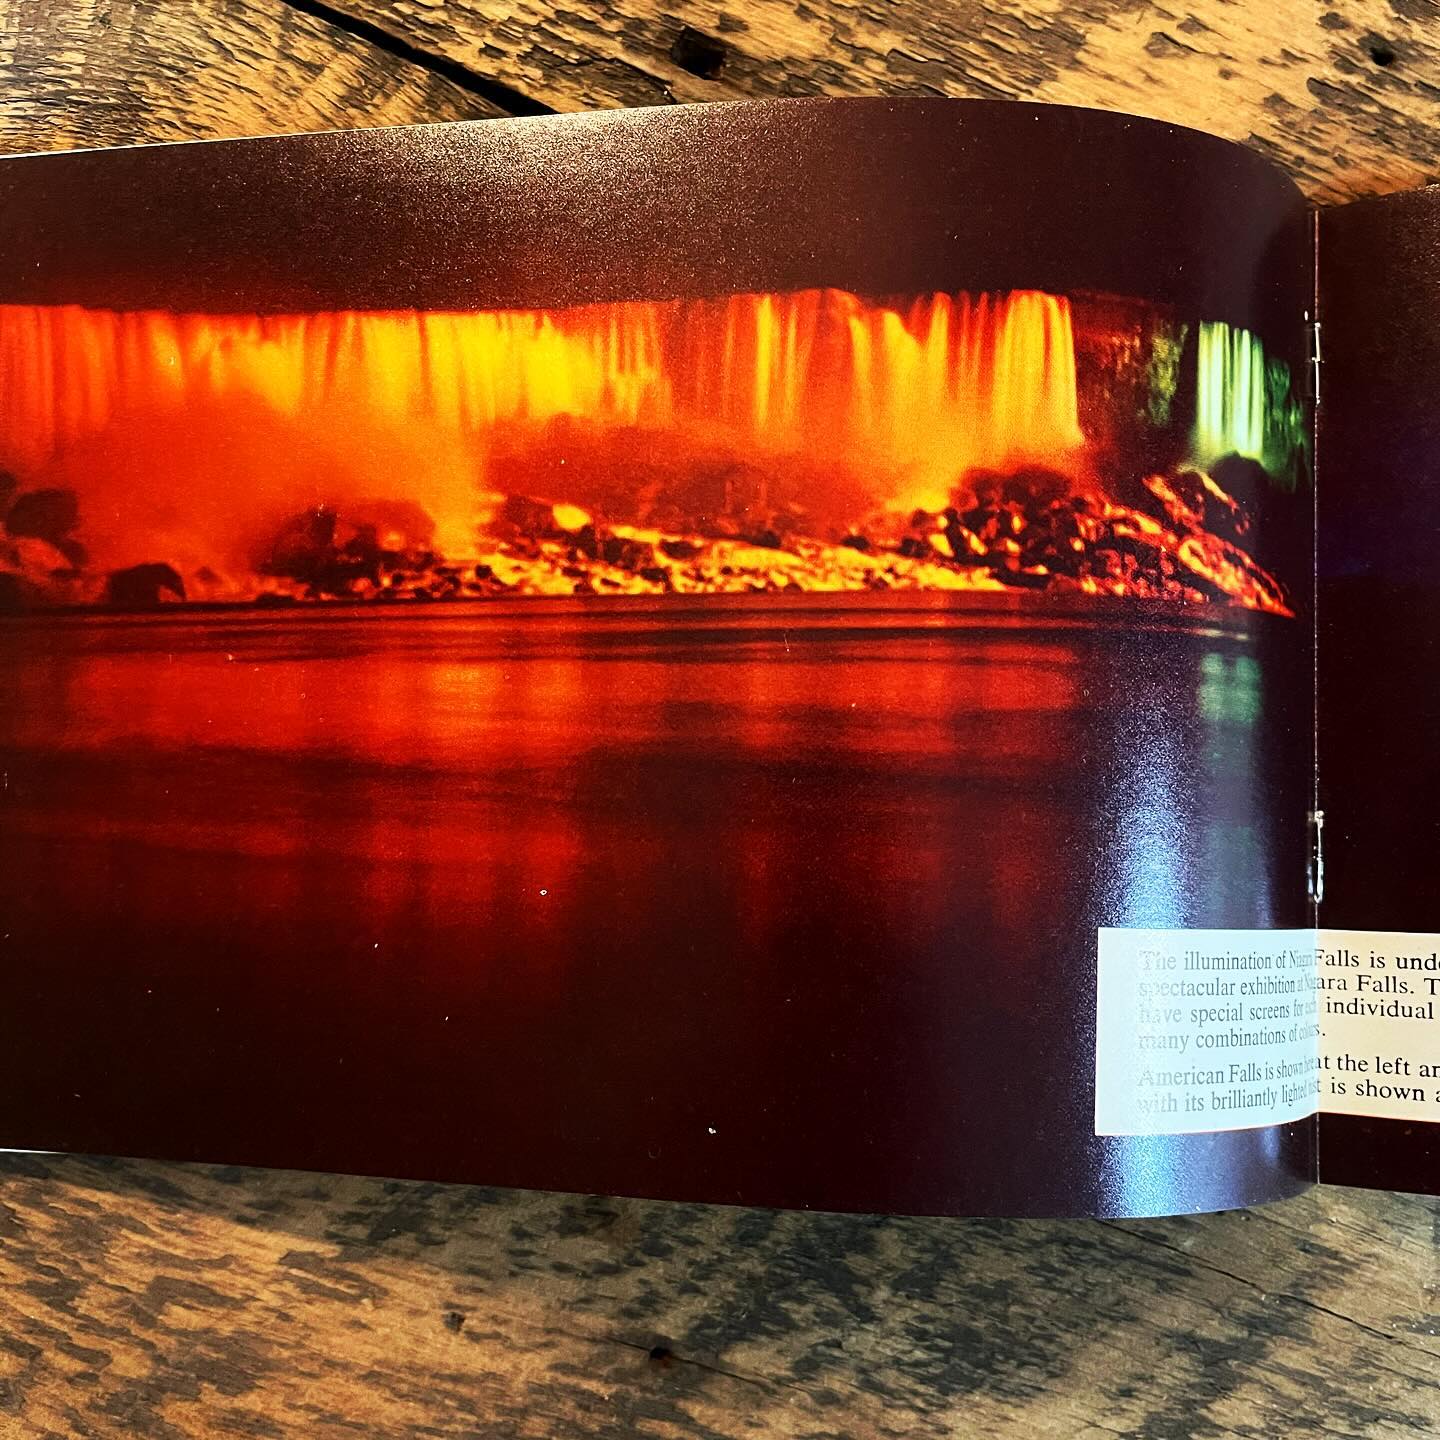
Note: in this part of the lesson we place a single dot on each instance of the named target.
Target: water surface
(766, 902)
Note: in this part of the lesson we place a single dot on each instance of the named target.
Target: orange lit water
(726, 899)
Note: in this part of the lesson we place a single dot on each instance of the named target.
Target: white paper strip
(1380, 1049)
(1200, 1030)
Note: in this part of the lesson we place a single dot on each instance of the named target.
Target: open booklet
(757, 653)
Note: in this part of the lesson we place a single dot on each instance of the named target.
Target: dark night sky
(878, 196)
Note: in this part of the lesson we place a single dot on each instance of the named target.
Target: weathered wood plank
(170, 1300)
(83, 74)
(1347, 96)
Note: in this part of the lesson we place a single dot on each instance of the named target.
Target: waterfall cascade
(810, 441)
(1231, 395)
(950, 382)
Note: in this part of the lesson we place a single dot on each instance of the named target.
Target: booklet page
(636, 652)
(1379, 685)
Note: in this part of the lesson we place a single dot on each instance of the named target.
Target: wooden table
(161, 1300)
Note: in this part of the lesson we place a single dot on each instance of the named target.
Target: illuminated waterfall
(814, 440)
(949, 382)
(1230, 405)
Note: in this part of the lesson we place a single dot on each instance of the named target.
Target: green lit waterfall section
(1245, 403)
(1230, 402)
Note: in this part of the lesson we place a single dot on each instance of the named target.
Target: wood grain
(153, 1300)
(75, 75)
(168, 1300)
(1347, 96)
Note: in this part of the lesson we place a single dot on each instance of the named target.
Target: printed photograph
(779, 444)
(671, 743)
